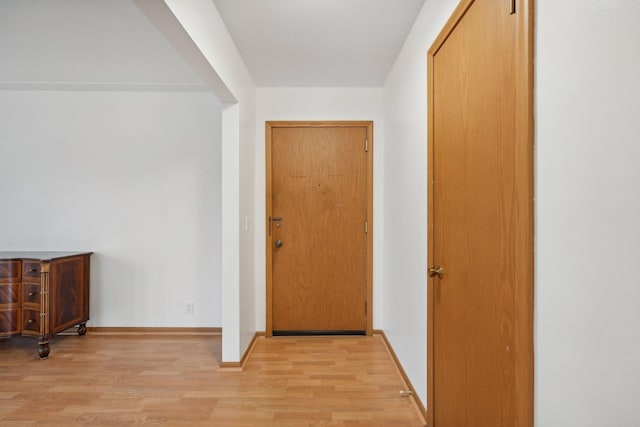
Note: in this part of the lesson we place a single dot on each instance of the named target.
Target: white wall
(405, 195)
(202, 22)
(588, 213)
(318, 104)
(134, 177)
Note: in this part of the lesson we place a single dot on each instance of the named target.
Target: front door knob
(278, 243)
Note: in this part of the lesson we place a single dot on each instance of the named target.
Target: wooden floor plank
(175, 380)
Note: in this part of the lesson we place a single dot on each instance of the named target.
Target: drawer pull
(33, 294)
(33, 270)
(30, 321)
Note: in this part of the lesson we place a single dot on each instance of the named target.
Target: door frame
(269, 126)
(524, 240)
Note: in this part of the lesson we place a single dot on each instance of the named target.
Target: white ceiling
(110, 43)
(86, 44)
(319, 42)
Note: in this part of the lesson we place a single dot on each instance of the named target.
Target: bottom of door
(314, 333)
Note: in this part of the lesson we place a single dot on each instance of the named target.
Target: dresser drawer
(9, 321)
(10, 270)
(31, 293)
(9, 293)
(30, 270)
(30, 321)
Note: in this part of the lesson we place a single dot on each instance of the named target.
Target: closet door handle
(436, 271)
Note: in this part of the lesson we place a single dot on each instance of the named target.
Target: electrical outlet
(189, 308)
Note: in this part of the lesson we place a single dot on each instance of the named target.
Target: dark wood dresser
(43, 293)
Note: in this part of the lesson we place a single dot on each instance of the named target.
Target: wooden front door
(318, 227)
(480, 218)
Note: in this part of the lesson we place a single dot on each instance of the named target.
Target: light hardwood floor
(175, 380)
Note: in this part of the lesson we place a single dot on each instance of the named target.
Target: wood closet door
(481, 221)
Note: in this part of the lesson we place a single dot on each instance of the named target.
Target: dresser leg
(82, 329)
(43, 347)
